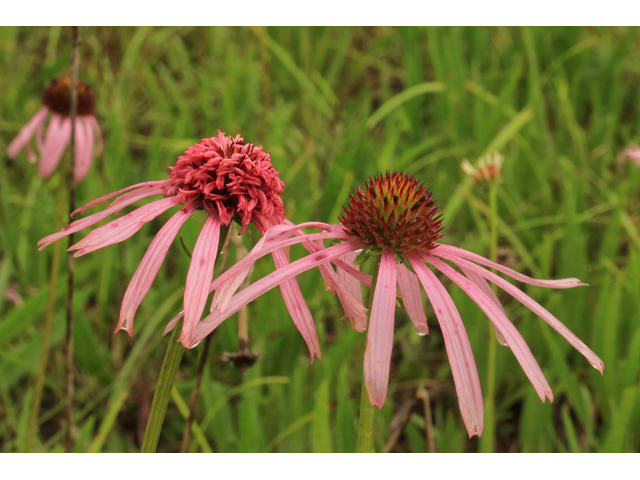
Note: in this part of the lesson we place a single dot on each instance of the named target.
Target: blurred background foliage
(333, 106)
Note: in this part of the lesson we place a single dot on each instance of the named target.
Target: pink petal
(27, 132)
(412, 298)
(141, 187)
(203, 261)
(535, 307)
(459, 252)
(298, 308)
(93, 123)
(352, 286)
(84, 149)
(265, 284)
(377, 357)
(456, 341)
(148, 269)
(55, 142)
(122, 228)
(172, 323)
(482, 284)
(518, 346)
(83, 223)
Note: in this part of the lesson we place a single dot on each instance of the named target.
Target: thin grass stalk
(72, 201)
(367, 411)
(48, 321)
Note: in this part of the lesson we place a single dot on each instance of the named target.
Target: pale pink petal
(93, 123)
(148, 269)
(203, 261)
(482, 284)
(535, 307)
(55, 142)
(83, 223)
(352, 285)
(145, 186)
(122, 228)
(459, 252)
(26, 133)
(377, 357)
(148, 190)
(517, 344)
(265, 284)
(412, 298)
(84, 149)
(456, 341)
(298, 308)
(171, 325)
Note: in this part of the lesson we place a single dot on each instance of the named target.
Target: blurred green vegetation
(333, 106)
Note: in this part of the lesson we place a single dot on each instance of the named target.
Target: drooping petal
(482, 284)
(265, 284)
(148, 269)
(412, 298)
(56, 140)
(93, 123)
(139, 187)
(377, 357)
(352, 285)
(535, 307)
(84, 149)
(456, 341)
(26, 133)
(85, 222)
(517, 344)
(203, 261)
(120, 229)
(298, 308)
(460, 253)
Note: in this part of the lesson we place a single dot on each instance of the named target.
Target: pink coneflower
(224, 177)
(632, 152)
(51, 146)
(395, 220)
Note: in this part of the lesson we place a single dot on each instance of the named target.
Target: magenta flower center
(229, 178)
(393, 211)
(58, 97)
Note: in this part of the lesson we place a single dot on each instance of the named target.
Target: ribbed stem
(367, 411)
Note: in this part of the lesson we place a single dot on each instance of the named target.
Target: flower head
(224, 177)
(489, 168)
(403, 253)
(52, 144)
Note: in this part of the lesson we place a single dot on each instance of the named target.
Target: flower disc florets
(58, 97)
(393, 211)
(229, 178)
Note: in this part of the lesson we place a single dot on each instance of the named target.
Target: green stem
(487, 443)
(167, 376)
(367, 411)
(48, 321)
(161, 396)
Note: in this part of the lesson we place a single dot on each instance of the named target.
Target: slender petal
(91, 220)
(352, 285)
(412, 298)
(377, 357)
(459, 252)
(265, 284)
(518, 346)
(203, 260)
(298, 308)
(138, 187)
(27, 132)
(120, 229)
(482, 284)
(84, 149)
(535, 307)
(56, 140)
(93, 123)
(456, 341)
(148, 269)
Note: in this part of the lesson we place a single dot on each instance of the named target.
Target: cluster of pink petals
(52, 143)
(632, 152)
(392, 275)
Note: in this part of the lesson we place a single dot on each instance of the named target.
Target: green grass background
(333, 106)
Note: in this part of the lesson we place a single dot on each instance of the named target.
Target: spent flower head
(488, 169)
(394, 219)
(52, 144)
